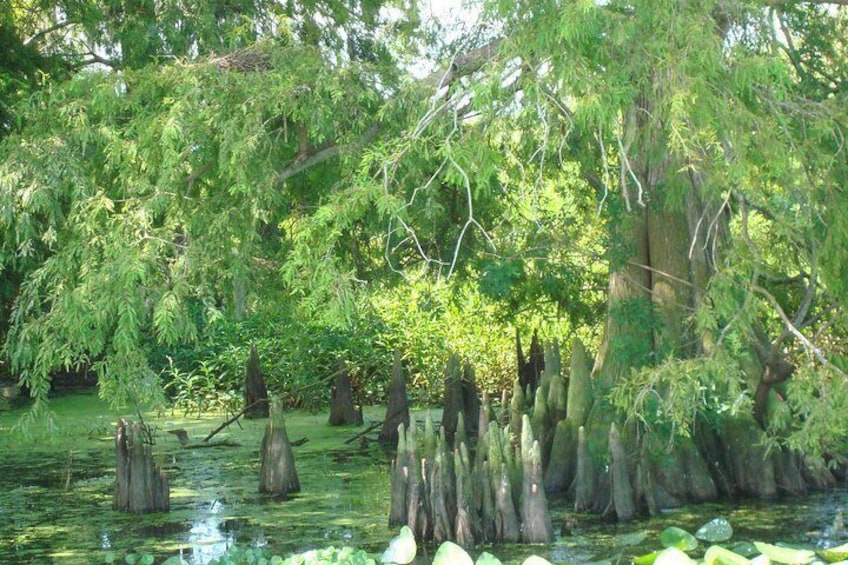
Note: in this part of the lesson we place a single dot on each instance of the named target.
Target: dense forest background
(332, 180)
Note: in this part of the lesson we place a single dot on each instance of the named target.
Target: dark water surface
(56, 495)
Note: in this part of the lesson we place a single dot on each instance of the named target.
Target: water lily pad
(631, 539)
(787, 555)
(716, 530)
(535, 560)
(401, 549)
(487, 558)
(647, 559)
(834, 554)
(451, 554)
(678, 538)
(717, 555)
(761, 560)
(744, 548)
(673, 556)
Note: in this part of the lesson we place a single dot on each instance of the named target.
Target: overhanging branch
(463, 65)
(326, 154)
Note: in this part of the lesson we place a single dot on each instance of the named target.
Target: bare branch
(808, 345)
(326, 154)
(462, 65)
(48, 30)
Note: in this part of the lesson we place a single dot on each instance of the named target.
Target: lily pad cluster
(402, 550)
(681, 548)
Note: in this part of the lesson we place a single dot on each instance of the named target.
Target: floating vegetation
(56, 492)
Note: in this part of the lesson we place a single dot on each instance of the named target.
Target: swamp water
(56, 495)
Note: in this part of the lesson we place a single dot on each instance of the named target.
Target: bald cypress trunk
(277, 473)
(141, 486)
(255, 391)
(397, 409)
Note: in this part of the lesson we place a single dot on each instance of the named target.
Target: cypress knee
(141, 485)
(277, 473)
(397, 410)
(343, 410)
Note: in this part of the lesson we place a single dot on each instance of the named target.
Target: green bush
(299, 358)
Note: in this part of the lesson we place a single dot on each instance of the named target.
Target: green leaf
(678, 538)
(451, 554)
(673, 556)
(631, 539)
(647, 559)
(535, 560)
(834, 554)
(716, 530)
(401, 549)
(787, 555)
(487, 558)
(717, 555)
(744, 548)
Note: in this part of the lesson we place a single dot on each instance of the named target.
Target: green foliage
(300, 356)
(815, 399)
(267, 172)
(667, 400)
(326, 556)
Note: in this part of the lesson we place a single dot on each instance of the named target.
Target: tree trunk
(141, 485)
(255, 391)
(397, 409)
(277, 473)
(343, 410)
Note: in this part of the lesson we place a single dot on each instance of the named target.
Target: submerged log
(141, 485)
(277, 473)
(343, 410)
(397, 409)
(255, 391)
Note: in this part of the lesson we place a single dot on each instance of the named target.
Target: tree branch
(793, 2)
(46, 31)
(463, 65)
(312, 159)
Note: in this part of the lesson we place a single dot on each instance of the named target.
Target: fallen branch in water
(233, 419)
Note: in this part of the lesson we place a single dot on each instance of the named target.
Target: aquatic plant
(679, 547)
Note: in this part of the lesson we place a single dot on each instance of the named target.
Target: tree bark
(343, 411)
(141, 485)
(277, 473)
(397, 409)
(255, 391)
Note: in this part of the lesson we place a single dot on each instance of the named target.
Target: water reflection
(209, 538)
